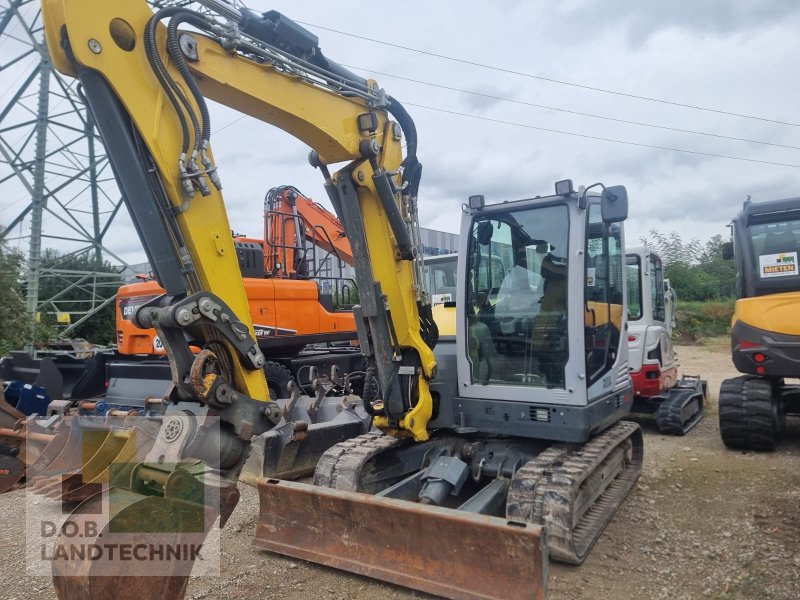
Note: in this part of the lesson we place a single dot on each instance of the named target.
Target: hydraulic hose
(171, 89)
(174, 48)
(370, 391)
(412, 168)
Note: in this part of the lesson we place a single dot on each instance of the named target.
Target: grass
(697, 321)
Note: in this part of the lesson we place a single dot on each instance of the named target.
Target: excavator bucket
(432, 549)
(22, 444)
(12, 467)
(172, 528)
(121, 443)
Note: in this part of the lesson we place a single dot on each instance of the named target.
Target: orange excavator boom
(293, 226)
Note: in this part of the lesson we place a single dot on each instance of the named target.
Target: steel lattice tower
(55, 180)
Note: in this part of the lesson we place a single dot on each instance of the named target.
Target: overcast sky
(736, 56)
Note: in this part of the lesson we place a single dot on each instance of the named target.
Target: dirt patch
(703, 522)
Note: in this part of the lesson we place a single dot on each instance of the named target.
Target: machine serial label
(778, 265)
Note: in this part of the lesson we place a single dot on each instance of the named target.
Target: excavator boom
(146, 82)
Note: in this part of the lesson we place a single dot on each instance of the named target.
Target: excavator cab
(541, 303)
(536, 357)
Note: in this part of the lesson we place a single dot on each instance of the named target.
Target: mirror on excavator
(614, 204)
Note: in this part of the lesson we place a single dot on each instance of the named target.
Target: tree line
(696, 271)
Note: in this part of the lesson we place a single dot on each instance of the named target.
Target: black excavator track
(747, 415)
(341, 466)
(682, 409)
(574, 490)
(571, 489)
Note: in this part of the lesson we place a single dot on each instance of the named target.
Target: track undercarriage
(679, 408)
(753, 410)
(571, 490)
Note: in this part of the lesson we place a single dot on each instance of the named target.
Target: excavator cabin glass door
(604, 294)
(517, 297)
(773, 248)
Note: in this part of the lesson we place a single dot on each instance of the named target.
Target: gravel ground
(702, 522)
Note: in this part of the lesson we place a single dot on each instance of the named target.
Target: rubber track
(340, 467)
(745, 414)
(669, 417)
(545, 489)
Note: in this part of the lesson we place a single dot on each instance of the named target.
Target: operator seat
(549, 327)
(487, 362)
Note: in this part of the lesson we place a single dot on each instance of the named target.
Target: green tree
(16, 327)
(722, 271)
(696, 271)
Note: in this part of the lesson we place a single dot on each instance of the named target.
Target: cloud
(733, 56)
(642, 20)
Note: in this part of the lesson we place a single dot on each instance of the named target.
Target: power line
(572, 133)
(568, 111)
(602, 139)
(551, 79)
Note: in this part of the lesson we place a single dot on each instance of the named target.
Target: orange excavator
(297, 295)
(294, 228)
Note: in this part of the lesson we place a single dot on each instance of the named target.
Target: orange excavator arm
(292, 222)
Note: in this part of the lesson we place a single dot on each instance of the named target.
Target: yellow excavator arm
(146, 81)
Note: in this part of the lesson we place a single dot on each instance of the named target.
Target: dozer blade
(436, 550)
(145, 522)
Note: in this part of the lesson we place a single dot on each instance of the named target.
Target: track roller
(748, 417)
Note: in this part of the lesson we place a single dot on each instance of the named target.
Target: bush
(697, 320)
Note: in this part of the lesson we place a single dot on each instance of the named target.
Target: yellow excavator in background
(765, 331)
(512, 430)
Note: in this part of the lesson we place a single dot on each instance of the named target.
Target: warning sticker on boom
(778, 265)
